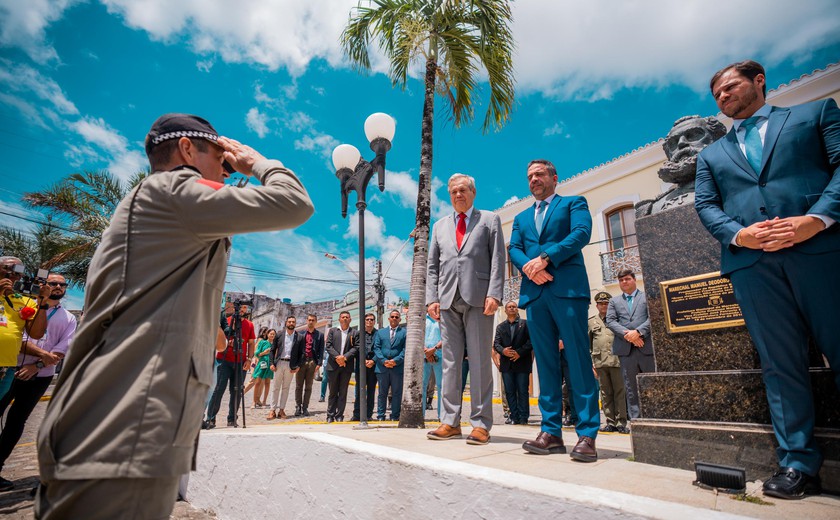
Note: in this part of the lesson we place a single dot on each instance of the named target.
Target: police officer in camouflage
(607, 368)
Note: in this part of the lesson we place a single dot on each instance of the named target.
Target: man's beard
(679, 172)
(56, 297)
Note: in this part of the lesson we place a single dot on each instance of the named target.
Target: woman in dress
(262, 376)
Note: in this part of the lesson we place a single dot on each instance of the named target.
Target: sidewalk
(269, 455)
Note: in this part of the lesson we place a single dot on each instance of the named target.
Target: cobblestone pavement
(22, 466)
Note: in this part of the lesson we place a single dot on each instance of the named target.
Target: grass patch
(631, 458)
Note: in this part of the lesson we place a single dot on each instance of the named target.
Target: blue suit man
(389, 354)
(545, 245)
(770, 193)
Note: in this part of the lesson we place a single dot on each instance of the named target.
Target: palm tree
(35, 249)
(452, 38)
(82, 204)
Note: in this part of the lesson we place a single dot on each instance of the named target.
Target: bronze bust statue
(688, 136)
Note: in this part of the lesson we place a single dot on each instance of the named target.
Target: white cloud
(592, 49)
(97, 131)
(402, 186)
(24, 23)
(394, 251)
(123, 160)
(285, 252)
(205, 65)
(271, 33)
(315, 141)
(564, 48)
(510, 201)
(257, 122)
(557, 129)
(25, 79)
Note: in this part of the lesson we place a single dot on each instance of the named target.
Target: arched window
(621, 227)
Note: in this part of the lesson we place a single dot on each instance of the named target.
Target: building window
(621, 227)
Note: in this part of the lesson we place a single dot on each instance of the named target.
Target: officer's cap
(602, 297)
(175, 126)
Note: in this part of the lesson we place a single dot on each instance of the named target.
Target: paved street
(22, 466)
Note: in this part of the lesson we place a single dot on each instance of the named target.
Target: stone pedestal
(707, 401)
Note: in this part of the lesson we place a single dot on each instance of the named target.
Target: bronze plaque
(705, 301)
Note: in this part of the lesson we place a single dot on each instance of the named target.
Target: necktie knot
(750, 122)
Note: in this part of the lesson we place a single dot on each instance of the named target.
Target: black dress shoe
(340, 418)
(545, 444)
(330, 419)
(355, 418)
(789, 483)
(584, 450)
(298, 410)
(508, 421)
(210, 424)
(623, 429)
(608, 429)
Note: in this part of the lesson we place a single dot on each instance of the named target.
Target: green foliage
(457, 36)
(78, 209)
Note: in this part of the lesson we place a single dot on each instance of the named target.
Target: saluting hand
(241, 157)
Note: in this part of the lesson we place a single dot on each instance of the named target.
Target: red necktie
(461, 228)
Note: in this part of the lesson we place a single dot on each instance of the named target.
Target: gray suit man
(463, 289)
(627, 317)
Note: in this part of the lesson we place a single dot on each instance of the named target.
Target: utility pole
(379, 287)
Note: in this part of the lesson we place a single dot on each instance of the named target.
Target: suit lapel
(733, 150)
(775, 122)
(530, 216)
(549, 210)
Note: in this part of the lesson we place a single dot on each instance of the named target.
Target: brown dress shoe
(584, 450)
(545, 444)
(271, 415)
(282, 415)
(444, 432)
(478, 436)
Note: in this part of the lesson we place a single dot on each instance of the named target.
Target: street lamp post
(355, 174)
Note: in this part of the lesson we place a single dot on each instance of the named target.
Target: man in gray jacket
(463, 290)
(627, 317)
(124, 418)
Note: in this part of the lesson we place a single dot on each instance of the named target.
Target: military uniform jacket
(600, 344)
(130, 399)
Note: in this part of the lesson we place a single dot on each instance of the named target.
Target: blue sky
(82, 81)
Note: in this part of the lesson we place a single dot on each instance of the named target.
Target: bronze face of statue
(687, 138)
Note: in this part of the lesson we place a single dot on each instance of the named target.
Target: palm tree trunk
(411, 415)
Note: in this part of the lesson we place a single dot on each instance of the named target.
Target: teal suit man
(555, 295)
(781, 248)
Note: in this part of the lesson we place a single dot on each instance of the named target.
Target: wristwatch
(39, 364)
(545, 257)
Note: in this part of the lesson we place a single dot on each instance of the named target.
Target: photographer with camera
(18, 314)
(124, 419)
(37, 367)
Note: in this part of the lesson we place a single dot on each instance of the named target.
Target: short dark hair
(625, 272)
(548, 165)
(342, 313)
(310, 315)
(747, 68)
(370, 315)
(393, 311)
(290, 318)
(160, 155)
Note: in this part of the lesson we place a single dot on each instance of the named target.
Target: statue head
(688, 136)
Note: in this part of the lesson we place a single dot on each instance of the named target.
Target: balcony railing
(613, 262)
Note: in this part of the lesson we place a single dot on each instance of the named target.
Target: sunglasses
(57, 284)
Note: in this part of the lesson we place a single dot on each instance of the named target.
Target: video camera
(27, 285)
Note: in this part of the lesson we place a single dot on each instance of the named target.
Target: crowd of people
(768, 191)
